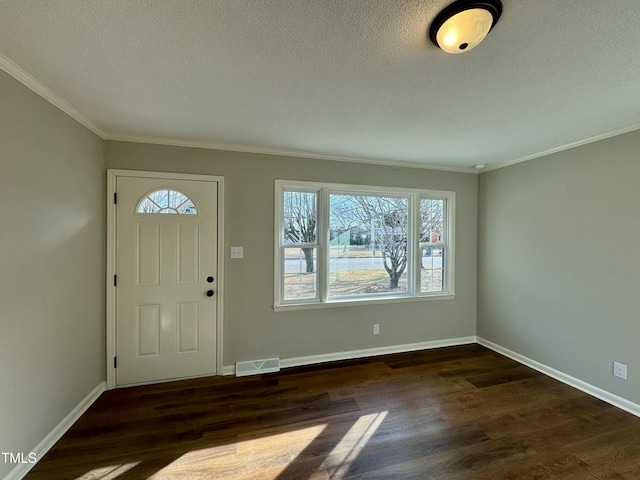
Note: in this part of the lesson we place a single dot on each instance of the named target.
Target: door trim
(112, 175)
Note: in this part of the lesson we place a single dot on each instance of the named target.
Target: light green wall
(52, 204)
(252, 329)
(559, 261)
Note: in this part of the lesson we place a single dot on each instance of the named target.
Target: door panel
(188, 327)
(165, 250)
(188, 254)
(148, 330)
(148, 254)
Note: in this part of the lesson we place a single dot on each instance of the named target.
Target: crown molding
(45, 92)
(280, 152)
(568, 146)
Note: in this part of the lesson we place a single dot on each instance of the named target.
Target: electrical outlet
(620, 370)
(237, 252)
(376, 328)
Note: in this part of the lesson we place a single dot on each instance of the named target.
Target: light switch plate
(237, 252)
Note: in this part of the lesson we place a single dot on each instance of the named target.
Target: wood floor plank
(455, 413)
(466, 461)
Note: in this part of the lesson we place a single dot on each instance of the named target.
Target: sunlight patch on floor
(264, 454)
(302, 437)
(350, 446)
(111, 472)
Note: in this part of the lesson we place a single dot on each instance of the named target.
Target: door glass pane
(166, 201)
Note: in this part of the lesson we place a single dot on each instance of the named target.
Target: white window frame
(323, 191)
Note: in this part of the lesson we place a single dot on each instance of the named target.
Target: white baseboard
(592, 390)
(367, 352)
(59, 430)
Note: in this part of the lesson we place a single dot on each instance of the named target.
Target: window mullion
(278, 242)
(323, 241)
(413, 246)
(450, 244)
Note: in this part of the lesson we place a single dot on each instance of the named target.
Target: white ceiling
(332, 78)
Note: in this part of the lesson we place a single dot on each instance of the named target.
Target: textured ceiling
(335, 78)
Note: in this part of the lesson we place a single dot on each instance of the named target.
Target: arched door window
(166, 201)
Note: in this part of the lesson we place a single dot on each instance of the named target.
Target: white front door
(166, 266)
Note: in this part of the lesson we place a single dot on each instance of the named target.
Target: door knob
(209, 293)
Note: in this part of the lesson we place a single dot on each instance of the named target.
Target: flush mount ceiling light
(463, 25)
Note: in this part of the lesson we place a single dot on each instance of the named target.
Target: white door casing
(167, 300)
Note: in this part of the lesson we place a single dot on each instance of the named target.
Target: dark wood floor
(450, 413)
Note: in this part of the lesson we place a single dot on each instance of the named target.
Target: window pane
(431, 221)
(368, 244)
(300, 214)
(432, 270)
(300, 279)
(431, 232)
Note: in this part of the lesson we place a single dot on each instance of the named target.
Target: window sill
(360, 302)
